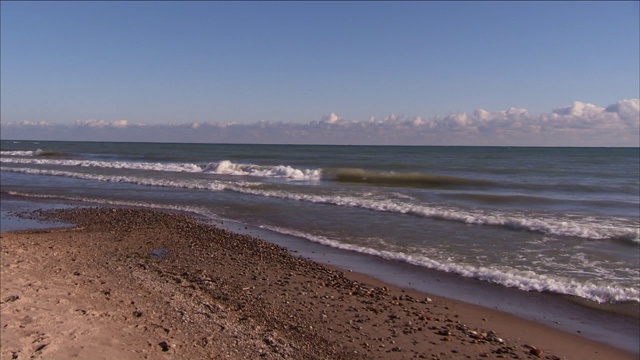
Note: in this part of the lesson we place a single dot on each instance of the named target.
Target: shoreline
(294, 306)
(444, 284)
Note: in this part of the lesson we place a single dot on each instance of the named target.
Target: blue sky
(162, 63)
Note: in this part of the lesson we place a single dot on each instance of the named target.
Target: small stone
(164, 346)
(396, 349)
(11, 298)
(536, 352)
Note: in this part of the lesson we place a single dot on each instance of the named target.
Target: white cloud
(331, 118)
(417, 121)
(457, 121)
(627, 111)
(393, 119)
(579, 109)
(27, 123)
(103, 123)
(514, 113)
(580, 124)
(119, 123)
(482, 114)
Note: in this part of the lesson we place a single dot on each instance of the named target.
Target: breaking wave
(590, 228)
(17, 153)
(224, 167)
(509, 277)
(227, 167)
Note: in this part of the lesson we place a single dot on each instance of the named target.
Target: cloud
(331, 119)
(627, 110)
(102, 123)
(579, 124)
(579, 109)
(457, 122)
(27, 123)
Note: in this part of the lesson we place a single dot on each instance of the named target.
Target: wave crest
(227, 167)
(413, 179)
(224, 167)
(509, 277)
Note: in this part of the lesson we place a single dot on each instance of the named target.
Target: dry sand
(135, 284)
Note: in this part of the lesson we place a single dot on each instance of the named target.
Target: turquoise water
(559, 220)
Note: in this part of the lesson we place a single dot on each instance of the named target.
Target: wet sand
(135, 284)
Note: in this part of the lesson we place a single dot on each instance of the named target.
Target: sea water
(553, 220)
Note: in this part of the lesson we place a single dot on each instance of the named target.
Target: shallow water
(9, 208)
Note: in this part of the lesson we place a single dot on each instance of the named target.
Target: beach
(136, 283)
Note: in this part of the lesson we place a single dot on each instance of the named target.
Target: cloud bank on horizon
(579, 124)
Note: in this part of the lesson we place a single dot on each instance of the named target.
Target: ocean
(549, 220)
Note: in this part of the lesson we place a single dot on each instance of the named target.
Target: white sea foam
(224, 167)
(564, 226)
(547, 225)
(16, 153)
(215, 185)
(172, 167)
(227, 167)
(505, 276)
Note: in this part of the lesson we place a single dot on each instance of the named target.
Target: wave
(224, 167)
(577, 226)
(171, 167)
(217, 186)
(627, 202)
(227, 167)
(38, 152)
(509, 277)
(41, 152)
(17, 153)
(413, 179)
(499, 199)
(436, 181)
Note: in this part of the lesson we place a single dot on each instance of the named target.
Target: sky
(363, 72)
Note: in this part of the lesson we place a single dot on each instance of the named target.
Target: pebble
(164, 346)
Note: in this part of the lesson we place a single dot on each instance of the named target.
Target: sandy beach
(142, 284)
